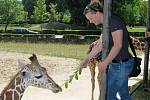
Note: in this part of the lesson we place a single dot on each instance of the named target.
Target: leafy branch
(75, 75)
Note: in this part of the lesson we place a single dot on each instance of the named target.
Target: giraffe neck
(14, 90)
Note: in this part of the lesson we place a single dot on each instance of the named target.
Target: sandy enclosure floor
(54, 65)
(58, 68)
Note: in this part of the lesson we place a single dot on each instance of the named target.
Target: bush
(77, 32)
(137, 34)
(91, 38)
(9, 31)
(72, 38)
(1, 31)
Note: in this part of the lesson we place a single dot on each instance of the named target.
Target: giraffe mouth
(56, 90)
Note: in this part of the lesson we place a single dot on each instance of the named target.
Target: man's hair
(93, 7)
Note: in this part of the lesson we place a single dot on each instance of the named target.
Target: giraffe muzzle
(57, 90)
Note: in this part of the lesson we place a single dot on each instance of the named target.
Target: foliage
(75, 75)
(29, 6)
(74, 7)
(39, 10)
(74, 32)
(53, 12)
(9, 11)
(133, 12)
(143, 8)
(66, 17)
(22, 15)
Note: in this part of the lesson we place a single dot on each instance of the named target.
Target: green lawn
(136, 29)
(77, 51)
(52, 49)
(140, 94)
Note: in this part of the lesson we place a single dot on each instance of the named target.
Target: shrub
(91, 38)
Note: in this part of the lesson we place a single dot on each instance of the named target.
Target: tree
(9, 10)
(143, 12)
(29, 6)
(39, 10)
(76, 8)
(132, 11)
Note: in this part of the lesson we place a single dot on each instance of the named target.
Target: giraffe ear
(21, 63)
(34, 60)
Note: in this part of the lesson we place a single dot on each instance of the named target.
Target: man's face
(94, 17)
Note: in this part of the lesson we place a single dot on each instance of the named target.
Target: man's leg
(112, 80)
(125, 71)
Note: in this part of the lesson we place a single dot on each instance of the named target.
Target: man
(119, 61)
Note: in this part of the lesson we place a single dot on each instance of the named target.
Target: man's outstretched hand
(84, 63)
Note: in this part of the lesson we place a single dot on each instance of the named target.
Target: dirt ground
(58, 68)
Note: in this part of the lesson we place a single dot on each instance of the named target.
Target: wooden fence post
(147, 44)
(105, 41)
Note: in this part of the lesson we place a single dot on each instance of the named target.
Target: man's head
(94, 13)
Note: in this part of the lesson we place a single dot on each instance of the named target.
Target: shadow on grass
(140, 93)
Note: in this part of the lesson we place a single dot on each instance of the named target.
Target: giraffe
(138, 45)
(32, 74)
(92, 66)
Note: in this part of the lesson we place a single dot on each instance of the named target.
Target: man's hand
(102, 66)
(84, 63)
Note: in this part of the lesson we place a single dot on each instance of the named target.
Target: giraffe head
(35, 75)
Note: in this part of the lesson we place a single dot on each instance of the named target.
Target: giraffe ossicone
(32, 74)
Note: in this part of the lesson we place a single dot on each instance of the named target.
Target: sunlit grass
(140, 94)
(52, 49)
(136, 29)
(77, 51)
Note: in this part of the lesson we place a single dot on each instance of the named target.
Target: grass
(140, 94)
(76, 51)
(136, 29)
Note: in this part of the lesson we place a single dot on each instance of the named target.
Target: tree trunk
(6, 26)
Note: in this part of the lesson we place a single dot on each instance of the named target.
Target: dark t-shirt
(116, 24)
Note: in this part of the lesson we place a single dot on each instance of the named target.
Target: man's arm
(92, 45)
(117, 39)
(95, 50)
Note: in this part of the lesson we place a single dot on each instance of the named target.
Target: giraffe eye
(23, 73)
(38, 77)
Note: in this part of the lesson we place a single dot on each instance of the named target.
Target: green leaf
(71, 78)
(66, 84)
(76, 76)
(80, 71)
